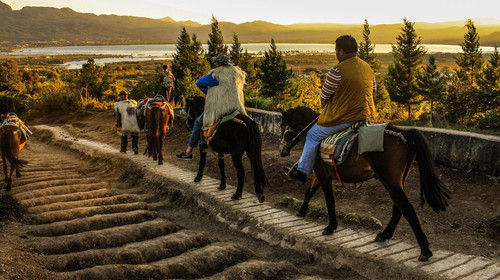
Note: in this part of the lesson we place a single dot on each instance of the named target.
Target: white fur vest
(227, 96)
(127, 110)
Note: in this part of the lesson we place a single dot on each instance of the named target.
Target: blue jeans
(195, 134)
(314, 137)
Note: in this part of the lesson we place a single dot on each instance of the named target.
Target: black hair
(123, 93)
(347, 43)
(165, 67)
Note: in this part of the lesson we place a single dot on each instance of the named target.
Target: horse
(391, 167)
(236, 137)
(157, 120)
(12, 140)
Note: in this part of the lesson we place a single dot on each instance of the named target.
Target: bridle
(296, 139)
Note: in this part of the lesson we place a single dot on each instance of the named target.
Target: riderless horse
(12, 140)
(234, 137)
(391, 167)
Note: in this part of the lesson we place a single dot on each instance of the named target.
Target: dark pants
(135, 142)
(165, 92)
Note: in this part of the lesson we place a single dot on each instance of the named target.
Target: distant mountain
(51, 26)
(4, 7)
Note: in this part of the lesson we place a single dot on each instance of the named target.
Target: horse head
(294, 125)
(194, 108)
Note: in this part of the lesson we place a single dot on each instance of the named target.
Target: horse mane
(302, 116)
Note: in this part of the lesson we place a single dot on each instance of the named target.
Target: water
(166, 51)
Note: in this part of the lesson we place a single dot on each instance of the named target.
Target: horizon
(157, 9)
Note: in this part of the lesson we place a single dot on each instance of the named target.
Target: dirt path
(471, 225)
(83, 222)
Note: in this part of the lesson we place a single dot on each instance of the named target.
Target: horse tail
(254, 153)
(7, 141)
(432, 189)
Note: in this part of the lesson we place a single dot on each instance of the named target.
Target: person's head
(123, 95)
(165, 67)
(221, 60)
(345, 45)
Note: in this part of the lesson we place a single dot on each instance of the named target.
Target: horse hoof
(425, 255)
(300, 214)
(221, 187)
(160, 162)
(327, 231)
(380, 238)
(261, 197)
(235, 197)
(197, 179)
(18, 175)
(423, 258)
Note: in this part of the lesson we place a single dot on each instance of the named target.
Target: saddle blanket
(337, 147)
(210, 132)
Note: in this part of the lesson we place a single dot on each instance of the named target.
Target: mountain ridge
(53, 26)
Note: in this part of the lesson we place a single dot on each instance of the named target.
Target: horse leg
(4, 160)
(391, 227)
(9, 180)
(18, 174)
(201, 164)
(401, 200)
(160, 154)
(325, 180)
(307, 198)
(220, 163)
(240, 171)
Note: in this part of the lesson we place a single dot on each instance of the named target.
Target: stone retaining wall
(456, 149)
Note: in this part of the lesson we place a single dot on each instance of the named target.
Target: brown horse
(12, 141)
(390, 167)
(158, 119)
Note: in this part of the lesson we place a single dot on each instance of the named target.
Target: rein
(296, 139)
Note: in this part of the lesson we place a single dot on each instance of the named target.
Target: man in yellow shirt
(346, 97)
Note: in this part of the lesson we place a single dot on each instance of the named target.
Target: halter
(296, 139)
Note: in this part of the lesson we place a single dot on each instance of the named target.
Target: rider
(123, 109)
(346, 97)
(223, 87)
(167, 82)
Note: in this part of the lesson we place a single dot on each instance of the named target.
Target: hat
(223, 59)
(123, 93)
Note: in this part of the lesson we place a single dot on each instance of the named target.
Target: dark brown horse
(236, 137)
(157, 121)
(12, 141)
(390, 167)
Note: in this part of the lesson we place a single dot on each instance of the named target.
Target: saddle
(209, 133)
(335, 148)
(157, 101)
(14, 121)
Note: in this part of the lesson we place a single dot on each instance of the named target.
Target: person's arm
(330, 86)
(118, 118)
(205, 82)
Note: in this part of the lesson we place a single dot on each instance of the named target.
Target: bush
(264, 103)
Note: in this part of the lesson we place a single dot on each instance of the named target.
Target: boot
(135, 143)
(123, 148)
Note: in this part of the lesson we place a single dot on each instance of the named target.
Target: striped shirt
(331, 84)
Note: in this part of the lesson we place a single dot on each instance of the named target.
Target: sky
(284, 12)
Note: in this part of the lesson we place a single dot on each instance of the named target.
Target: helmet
(223, 59)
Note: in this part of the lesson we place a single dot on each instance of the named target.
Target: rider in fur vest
(224, 89)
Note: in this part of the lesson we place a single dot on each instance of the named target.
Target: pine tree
(198, 66)
(236, 51)
(273, 73)
(400, 80)
(471, 60)
(367, 49)
(490, 79)
(247, 64)
(431, 83)
(215, 41)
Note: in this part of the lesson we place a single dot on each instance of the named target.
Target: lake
(166, 51)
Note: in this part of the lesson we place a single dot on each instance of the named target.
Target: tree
(11, 79)
(189, 58)
(236, 51)
(431, 83)
(400, 80)
(367, 49)
(273, 73)
(470, 61)
(94, 80)
(215, 41)
(490, 79)
(303, 92)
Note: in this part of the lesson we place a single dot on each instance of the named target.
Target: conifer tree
(236, 51)
(490, 80)
(215, 41)
(367, 48)
(470, 61)
(273, 73)
(401, 78)
(431, 83)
